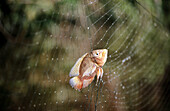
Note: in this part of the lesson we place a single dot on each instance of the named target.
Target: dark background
(41, 40)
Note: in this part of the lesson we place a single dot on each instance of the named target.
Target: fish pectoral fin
(99, 73)
(89, 71)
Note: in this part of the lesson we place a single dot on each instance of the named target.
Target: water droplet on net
(166, 34)
(132, 84)
(91, 2)
(19, 108)
(37, 43)
(29, 67)
(155, 24)
(123, 87)
(123, 60)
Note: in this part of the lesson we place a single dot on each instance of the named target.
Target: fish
(87, 67)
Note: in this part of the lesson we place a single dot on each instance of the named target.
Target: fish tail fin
(76, 83)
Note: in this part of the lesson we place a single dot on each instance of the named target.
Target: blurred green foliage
(41, 40)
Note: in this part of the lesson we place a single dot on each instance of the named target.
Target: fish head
(99, 56)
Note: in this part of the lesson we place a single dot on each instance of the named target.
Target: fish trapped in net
(87, 67)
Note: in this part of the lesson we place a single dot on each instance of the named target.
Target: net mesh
(49, 36)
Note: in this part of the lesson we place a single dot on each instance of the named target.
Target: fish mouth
(104, 53)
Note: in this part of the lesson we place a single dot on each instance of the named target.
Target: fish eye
(97, 53)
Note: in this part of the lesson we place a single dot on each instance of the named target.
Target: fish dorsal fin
(75, 69)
